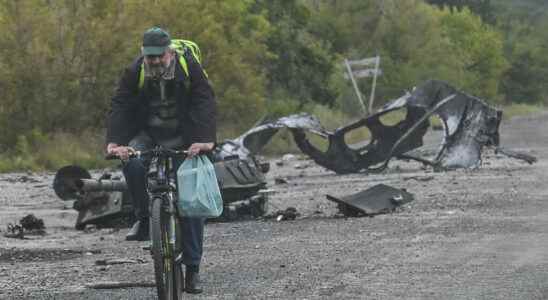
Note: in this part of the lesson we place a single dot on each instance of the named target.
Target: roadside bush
(38, 151)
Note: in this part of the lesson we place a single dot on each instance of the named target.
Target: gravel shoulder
(469, 234)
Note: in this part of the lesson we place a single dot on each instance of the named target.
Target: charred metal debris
(106, 202)
(29, 225)
(469, 125)
(376, 200)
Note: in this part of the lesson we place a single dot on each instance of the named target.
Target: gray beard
(159, 71)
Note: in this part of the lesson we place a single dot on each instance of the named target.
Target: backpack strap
(194, 49)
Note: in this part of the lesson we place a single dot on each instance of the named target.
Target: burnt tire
(167, 274)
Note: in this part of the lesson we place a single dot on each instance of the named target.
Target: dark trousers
(192, 229)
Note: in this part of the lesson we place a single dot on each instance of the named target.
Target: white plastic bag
(199, 194)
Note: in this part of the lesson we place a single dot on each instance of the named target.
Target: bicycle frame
(161, 187)
(165, 188)
(164, 218)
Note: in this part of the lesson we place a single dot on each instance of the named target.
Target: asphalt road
(470, 234)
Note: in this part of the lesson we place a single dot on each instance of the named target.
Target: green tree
(302, 64)
(480, 47)
(61, 59)
(483, 8)
(525, 80)
(417, 42)
(62, 66)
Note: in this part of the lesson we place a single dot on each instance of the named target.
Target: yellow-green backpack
(182, 47)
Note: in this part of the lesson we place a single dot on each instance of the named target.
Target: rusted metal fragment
(375, 200)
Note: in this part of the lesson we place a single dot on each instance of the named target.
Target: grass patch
(38, 152)
(514, 110)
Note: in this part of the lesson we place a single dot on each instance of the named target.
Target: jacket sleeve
(121, 125)
(203, 107)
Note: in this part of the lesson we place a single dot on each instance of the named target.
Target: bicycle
(164, 222)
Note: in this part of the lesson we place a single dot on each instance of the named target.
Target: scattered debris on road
(31, 223)
(280, 180)
(119, 285)
(378, 199)
(118, 261)
(38, 255)
(419, 178)
(22, 179)
(288, 214)
(28, 225)
(517, 155)
(107, 203)
(14, 231)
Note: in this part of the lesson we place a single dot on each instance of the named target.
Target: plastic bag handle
(201, 164)
(197, 165)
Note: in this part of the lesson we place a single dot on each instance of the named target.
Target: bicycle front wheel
(167, 272)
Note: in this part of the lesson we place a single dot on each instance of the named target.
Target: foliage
(37, 151)
(520, 109)
(64, 62)
(418, 42)
(302, 63)
(480, 49)
(61, 59)
(526, 48)
(67, 56)
(483, 8)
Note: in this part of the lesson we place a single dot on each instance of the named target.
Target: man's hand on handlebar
(196, 148)
(122, 152)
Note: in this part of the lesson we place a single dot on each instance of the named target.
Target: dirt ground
(469, 234)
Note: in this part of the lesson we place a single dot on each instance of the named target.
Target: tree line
(61, 59)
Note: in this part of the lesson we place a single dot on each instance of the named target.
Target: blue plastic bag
(199, 194)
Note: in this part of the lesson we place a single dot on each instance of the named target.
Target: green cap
(155, 41)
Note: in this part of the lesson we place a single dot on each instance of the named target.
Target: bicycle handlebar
(156, 151)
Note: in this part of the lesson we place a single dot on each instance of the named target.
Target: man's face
(158, 64)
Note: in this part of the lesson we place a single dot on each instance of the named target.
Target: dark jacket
(196, 105)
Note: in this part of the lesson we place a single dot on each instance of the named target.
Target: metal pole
(349, 70)
(372, 97)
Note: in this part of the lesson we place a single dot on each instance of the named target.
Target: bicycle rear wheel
(167, 272)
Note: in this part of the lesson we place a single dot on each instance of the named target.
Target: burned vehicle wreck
(106, 202)
(469, 125)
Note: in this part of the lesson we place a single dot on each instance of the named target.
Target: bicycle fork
(173, 229)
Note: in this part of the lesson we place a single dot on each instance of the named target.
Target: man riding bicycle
(173, 107)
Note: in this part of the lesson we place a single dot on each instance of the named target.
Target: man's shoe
(192, 282)
(139, 232)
